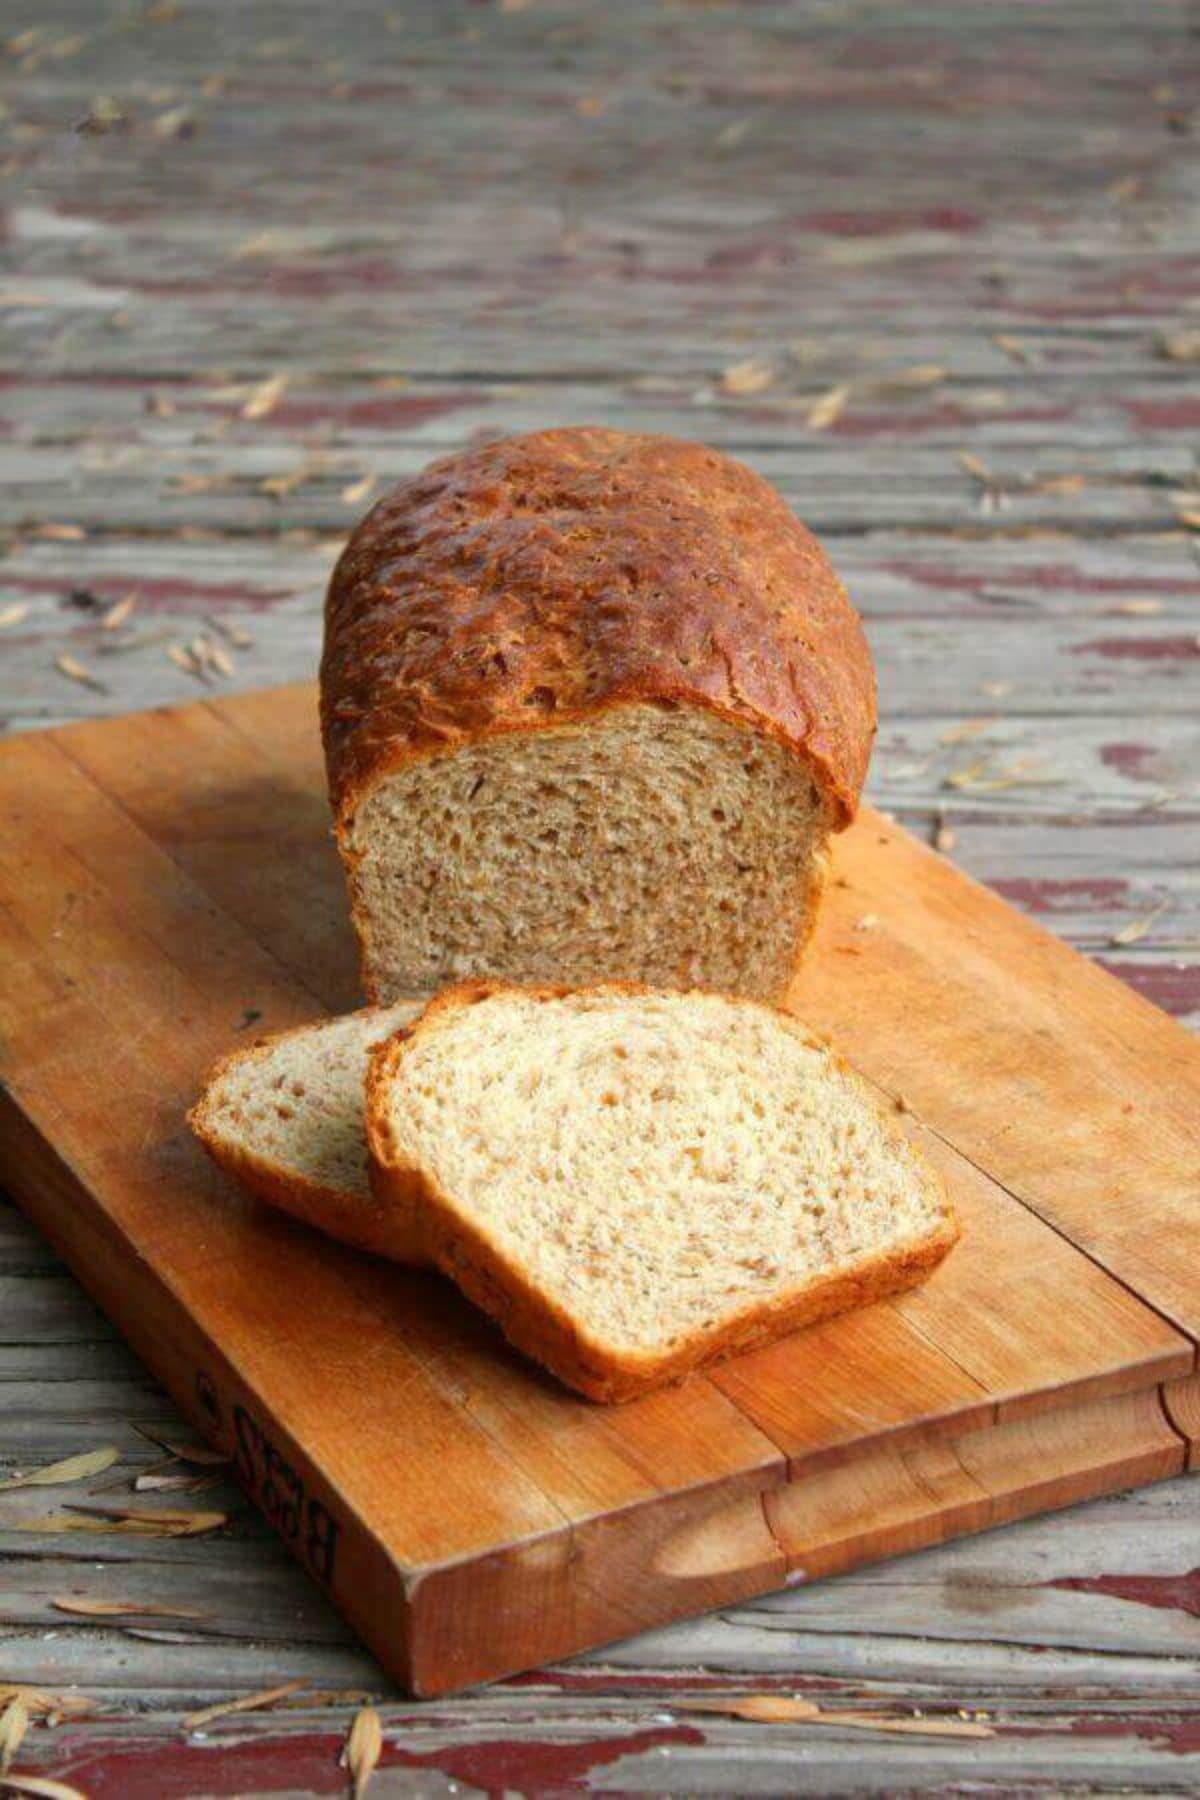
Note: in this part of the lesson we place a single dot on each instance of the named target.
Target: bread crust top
(536, 581)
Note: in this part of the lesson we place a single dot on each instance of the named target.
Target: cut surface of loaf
(670, 843)
(592, 702)
(633, 1183)
(285, 1116)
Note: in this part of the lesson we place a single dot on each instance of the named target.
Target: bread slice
(634, 1183)
(285, 1116)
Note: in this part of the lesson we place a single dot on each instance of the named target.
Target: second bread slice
(634, 1183)
(284, 1116)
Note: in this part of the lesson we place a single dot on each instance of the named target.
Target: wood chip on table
(59, 534)
(72, 1468)
(1012, 347)
(903, 381)
(992, 497)
(41, 1704)
(266, 1697)
(74, 670)
(181, 655)
(186, 1481)
(12, 615)
(178, 122)
(122, 1520)
(264, 398)
(781, 1709)
(362, 1749)
(357, 491)
(970, 728)
(208, 657)
(827, 409)
(750, 377)
(1179, 346)
(118, 612)
(42, 1787)
(14, 1723)
(85, 1608)
(157, 1521)
(1136, 929)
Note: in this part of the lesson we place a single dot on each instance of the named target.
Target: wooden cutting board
(168, 887)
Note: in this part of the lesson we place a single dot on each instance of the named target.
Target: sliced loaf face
(634, 1183)
(663, 842)
(285, 1116)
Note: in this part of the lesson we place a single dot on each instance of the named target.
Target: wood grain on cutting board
(168, 883)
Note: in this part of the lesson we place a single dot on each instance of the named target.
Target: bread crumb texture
(655, 1165)
(295, 1101)
(666, 845)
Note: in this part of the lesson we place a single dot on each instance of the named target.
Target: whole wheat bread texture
(635, 1183)
(285, 1116)
(591, 704)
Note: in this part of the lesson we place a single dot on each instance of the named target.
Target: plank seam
(1187, 1338)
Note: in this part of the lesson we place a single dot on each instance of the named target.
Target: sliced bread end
(284, 1116)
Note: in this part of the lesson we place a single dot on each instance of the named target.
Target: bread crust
(545, 579)
(352, 1218)
(533, 1321)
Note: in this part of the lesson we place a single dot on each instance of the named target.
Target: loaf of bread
(285, 1116)
(592, 704)
(634, 1183)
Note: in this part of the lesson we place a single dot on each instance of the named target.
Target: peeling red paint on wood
(904, 422)
(307, 1762)
(1164, 415)
(1041, 894)
(884, 224)
(1173, 986)
(380, 412)
(1063, 577)
(1135, 760)
(1164, 649)
(1180, 1736)
(1176, 1592)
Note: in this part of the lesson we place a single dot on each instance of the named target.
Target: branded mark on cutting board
(303, 1522)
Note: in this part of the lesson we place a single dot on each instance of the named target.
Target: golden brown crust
(352, 1218)
(543, 579)
(542, 1328)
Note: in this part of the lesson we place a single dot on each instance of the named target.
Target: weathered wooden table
(934, 271)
